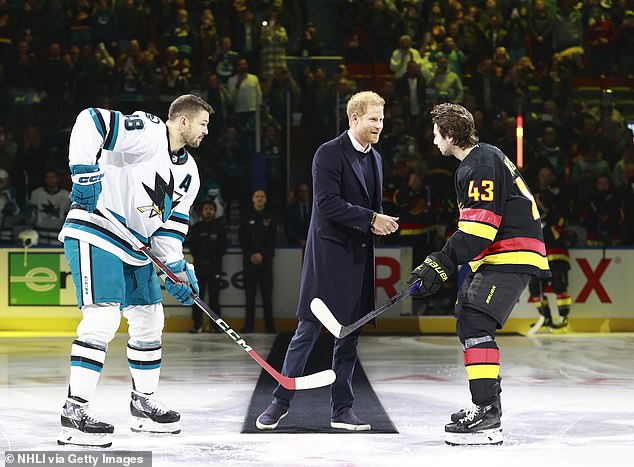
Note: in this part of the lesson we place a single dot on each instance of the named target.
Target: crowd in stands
(498, 58)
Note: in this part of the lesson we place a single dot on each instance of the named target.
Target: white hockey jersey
(149, 189)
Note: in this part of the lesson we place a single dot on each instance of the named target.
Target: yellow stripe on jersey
(412, 231)
(557, 257)
(477, 229)
(514, 257)
(483, 371)
(564, 301)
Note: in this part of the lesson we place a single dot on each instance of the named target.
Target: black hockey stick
(316, 380)
(325, 316)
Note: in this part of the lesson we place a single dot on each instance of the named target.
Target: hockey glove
(86, 185)
(185, 273)
(432, 272)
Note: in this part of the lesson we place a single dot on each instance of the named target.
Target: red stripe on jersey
(475, 356)
(558, 251)
(481, 215)
(514, 244)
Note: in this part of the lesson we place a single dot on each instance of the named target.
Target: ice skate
(560, 326)
(480, 426)
(150, 415)
(462, 413)
(80, 427)
(543, 324)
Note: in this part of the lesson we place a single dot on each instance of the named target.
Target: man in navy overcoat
(339, 256)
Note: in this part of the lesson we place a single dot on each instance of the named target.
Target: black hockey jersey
(499, 226)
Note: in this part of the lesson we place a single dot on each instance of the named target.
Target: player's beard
(191, 140)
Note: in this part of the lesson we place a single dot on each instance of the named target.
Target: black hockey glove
(432, 272)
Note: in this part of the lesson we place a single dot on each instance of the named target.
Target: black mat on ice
(310, 409)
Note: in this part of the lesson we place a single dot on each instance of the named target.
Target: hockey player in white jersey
(138, 168)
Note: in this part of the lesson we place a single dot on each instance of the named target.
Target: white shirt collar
(357, 145)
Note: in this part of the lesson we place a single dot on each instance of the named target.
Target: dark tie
(304, 212)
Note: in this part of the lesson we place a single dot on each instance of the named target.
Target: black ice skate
(462, 413)
(481, 425)
(560, 325)
(150, 415)
(80, 427)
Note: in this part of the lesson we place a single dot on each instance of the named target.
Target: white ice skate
(80, 427)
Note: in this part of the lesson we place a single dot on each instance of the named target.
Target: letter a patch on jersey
(163, 197)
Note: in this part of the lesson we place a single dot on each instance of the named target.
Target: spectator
(245, 92)
(175, 72)
(517, 34)
(257, 235)
(105, 26)
(31, 163)
(380, 27)
(207, 40)
(210, 190)
(219, 98)
(49, 205)
(555, 83)
(540, 26)
(132, 24)
(624, 168)
(9, 209)
(23, 69)
(308, 45)
(454, 56)
(587, 169)
(245, 35)
(8, 150)
(446, 83)
(55, 79)
(275, 90)
(182, 36)
(80, 22)
(601, 35)
(411, 89)
(486, 86)
(548, 152)
(601, 216)
(610, 119)
(233, 161)
(298, 215)
(494, 34)
(91, 78)
(626, 43)
(273, 41)
(224, 60)
(404, 54)
(207, 243)
(568, 32)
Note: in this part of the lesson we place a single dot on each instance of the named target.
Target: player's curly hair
(454, 121)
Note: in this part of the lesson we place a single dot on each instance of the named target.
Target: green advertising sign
(39, 279)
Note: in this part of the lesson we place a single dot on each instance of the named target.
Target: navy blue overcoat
(339, 239)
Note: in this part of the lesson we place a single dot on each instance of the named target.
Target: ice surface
(567, 399)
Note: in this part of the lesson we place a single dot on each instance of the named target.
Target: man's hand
(186, 274)
(86, 185)
(432, 272)
(383, 224)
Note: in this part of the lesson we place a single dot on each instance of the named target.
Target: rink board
(37, 293)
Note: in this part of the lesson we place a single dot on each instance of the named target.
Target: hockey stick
(325, 316)
(316, 380)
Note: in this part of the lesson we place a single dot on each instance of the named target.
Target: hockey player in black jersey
(499, 236)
